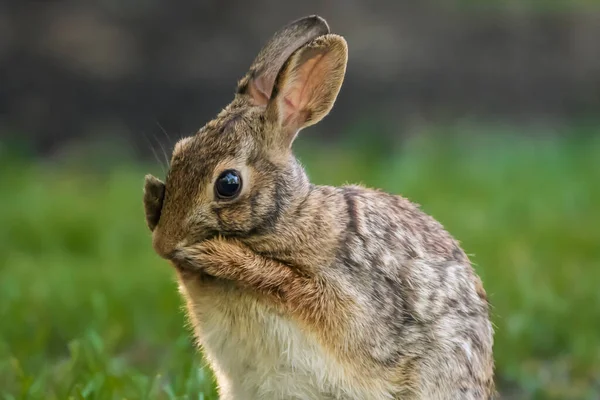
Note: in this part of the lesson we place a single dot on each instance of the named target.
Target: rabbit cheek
(234, 219)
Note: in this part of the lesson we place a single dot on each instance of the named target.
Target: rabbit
(298, 291)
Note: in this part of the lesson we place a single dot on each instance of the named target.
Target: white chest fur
(257, 354)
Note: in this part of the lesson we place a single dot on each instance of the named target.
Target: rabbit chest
(257, 354)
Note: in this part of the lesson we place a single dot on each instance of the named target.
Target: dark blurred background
(485, 112)
(72, 69)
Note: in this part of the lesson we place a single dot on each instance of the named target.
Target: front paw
(215, 257)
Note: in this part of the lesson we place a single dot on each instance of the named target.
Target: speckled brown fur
(297, 291)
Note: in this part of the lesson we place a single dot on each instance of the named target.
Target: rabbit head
(237, 175)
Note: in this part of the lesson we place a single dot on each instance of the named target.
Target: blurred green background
(485, 113)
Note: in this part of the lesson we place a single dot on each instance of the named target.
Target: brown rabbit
(297, 291)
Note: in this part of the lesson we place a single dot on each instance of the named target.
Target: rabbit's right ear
(260, 79)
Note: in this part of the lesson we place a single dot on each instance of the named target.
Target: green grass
(87, 310)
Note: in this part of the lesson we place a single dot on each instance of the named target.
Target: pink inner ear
(300, 91)
(256, 89)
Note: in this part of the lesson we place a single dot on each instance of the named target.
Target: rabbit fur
(298, 291)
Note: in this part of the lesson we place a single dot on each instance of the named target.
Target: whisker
(165, 133)
(169, 139)
(163, 151)
(162, 166)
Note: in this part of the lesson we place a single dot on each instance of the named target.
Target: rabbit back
(423, 304)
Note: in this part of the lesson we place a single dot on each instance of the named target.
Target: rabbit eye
(228, 184)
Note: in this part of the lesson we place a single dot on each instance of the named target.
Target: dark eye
(228, 184)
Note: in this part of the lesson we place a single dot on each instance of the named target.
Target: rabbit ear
(154, 193)
(308, 85)
(258, 82)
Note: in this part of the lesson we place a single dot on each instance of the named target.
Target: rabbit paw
(216, 257)
(233, 261)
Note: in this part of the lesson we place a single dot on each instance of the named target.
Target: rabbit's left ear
(307, 85)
